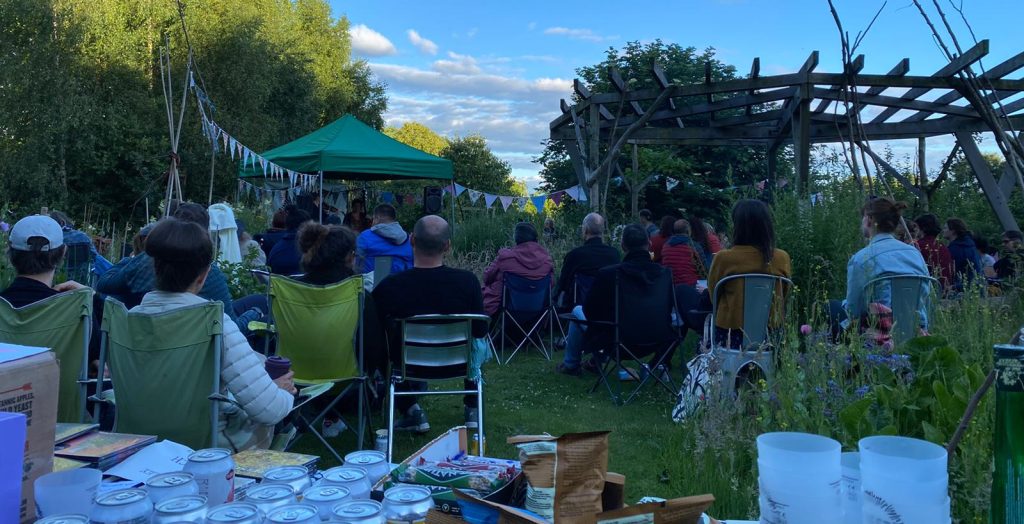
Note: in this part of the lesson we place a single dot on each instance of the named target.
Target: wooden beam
(707, 80)
(897, 103)
(999, 71)
(701, 109)
(796, 102)
(581, 90)
(755, 71)
(888, 168)
(1008, 180)
(852, 69)
(659, 78)
(621, 87)
(996, 198)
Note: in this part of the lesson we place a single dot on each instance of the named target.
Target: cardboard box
(442, 448)
(614, 494)
(29, 386)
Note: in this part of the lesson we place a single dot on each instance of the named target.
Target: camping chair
(165, 368)
(320, 329)
(62, 323)
(581, 285)
(642, 328)
(759, 292)
(381, 269)
(906, 295)
(435, 347)
(525, 305)
(78, 263)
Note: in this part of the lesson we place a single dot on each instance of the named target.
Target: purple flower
(861, 391)
(5, 227)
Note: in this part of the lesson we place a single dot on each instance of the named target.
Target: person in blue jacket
(385, 238)
(966, 258)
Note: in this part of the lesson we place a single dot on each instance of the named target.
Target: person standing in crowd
(182, 256)
(1010, 265)
(527, 259)
(429, 287)
(647, 221)
(385, 238)
(585, 260)
(284, 258)
(550, 234)
(966, 259)
(988, 257)
(249, 248)
(701, 240)
(664, 233)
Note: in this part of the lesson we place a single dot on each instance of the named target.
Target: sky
(499, 68)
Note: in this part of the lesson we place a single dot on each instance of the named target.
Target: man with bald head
(429, 287)
(587, 259)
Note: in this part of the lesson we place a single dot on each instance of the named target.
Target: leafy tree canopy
(419, 136)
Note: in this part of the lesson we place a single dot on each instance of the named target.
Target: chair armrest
(257, 326)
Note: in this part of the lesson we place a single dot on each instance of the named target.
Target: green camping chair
(165, 369)
(320, 329)
(62, 323)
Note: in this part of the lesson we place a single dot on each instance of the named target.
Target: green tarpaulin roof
(351, 150)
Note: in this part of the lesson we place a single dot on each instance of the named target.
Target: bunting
(670, 183)
(474, 195)
(489, 200)
(539, 201)
(506, 201)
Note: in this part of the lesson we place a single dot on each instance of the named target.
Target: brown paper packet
(685, 510)
(565, 474)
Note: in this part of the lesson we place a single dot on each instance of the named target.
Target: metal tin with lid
(407, 504)
(163, 486)
(188, 508)
(64, 519)
(214, 471)
(295, 476)
(373, 462)
(271, 496)
(294, 514)
(235, 513)
(324, 498)
(354, 479)
(124, 506)
(358, 512)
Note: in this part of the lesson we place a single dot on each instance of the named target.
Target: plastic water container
(802, 451)
(474, 513)
(904, 457)
(850, 485)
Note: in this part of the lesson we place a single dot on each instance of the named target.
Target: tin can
(477, 445)
(294, 514)
(234, 513)
(64, 519)
(124, 506)
(295, 476)
(407, 504)
(271, 496)
(381, 442)
(188, 508)
(358, 512)
(168, 485)
(372, 461)
(214, 472)
(324, 498)
(354, 479)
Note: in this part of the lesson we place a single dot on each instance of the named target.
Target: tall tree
(419, 136)
(477, 167)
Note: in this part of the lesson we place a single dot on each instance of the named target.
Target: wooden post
(594, 144)
(922, 173)
(773, 163)
(635, 188)
(802, 141)
(983, 173)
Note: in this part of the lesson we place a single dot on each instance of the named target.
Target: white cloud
(579, 34)
(458, 65)
(425, 46)
(366, 41)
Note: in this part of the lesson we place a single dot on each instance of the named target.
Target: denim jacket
(884, 255)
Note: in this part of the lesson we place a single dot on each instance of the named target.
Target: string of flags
(538, 201)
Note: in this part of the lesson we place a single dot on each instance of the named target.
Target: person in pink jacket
(527, 259)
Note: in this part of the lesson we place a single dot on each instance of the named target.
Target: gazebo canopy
(348, 149)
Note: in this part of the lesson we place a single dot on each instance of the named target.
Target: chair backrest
(164, 367)
(759, 292)
(381, 269)
(525, 295)
(581, 284)
(906, 295)
(77, 262)
(319, 328)
(437, 346)
(62, 323)
(643, 310)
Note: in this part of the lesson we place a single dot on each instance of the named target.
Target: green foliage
(419, 136)
(477, 167)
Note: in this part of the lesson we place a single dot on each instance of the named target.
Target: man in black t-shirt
(585, 260)
(429, 287)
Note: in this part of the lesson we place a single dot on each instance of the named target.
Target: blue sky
(499, 68)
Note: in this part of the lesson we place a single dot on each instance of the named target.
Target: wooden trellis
(800, 109)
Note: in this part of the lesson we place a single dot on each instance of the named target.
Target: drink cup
(800, 452)
(851, 487)
(886, 484)
(879, 510)
(277, 366)
(795, 479)
(906, 458)
(68, 491)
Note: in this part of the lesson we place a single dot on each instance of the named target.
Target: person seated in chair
(641, 274)
(685, 258)
(385, 238)
(527, 259)
(884, 255)
(182, 256)
(284, 258)
(74, 238)
(593, 255)
(1010, 265)
(36, 249)
(429, 287)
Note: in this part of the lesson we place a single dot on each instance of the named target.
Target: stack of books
(102, 450)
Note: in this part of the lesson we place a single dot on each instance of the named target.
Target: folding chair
(435, 347)
(759, 294)
(907, 296)
(381, 269)
(525, 305)
(320, 329)
(642, 328)
(581, 285)
(62, 323)
(165, 369)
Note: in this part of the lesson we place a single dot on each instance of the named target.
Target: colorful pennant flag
(489, 200)
(539, 201)
(506, 201)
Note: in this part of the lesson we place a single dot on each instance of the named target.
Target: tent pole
(455, 194)
(321, 206)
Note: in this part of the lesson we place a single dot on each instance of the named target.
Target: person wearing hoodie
(385, 238)
(966, 260)
(683, 256)
(527, 259)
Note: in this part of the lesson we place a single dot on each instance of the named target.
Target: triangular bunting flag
(387, 197)
(448, 189)
(557, 197)
(522, 202)
(459, 189)
(231, 147)
(489, 200)
(671, 183)
(506, 201)
(539, 201)
(474, 195)
(223, 136)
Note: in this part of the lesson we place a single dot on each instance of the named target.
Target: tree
(475, 166)
(419, 136)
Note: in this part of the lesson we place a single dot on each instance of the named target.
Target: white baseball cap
(36, 226)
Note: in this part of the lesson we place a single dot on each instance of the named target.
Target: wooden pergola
(802, 109)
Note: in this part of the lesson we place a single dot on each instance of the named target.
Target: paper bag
(565, 475)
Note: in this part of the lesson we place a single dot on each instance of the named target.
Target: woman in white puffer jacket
(182, 253)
